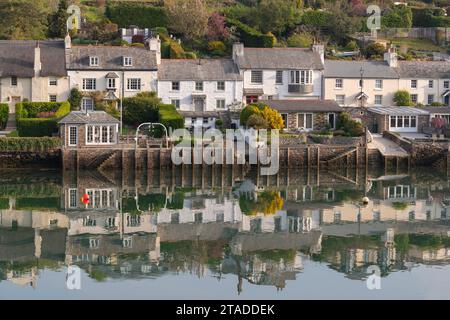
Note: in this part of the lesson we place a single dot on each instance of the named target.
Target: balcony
(300, 88)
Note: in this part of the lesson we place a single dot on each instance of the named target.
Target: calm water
(195, 234)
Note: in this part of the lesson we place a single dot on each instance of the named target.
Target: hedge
(30, 126)
(37, 203)
(429, 17)
(144, 16)
(316, 18)
(41, 144)
(250, 36)
(4, 113)
(169, 116)
(4, 203)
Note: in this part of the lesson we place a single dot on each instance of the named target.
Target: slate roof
(392, 111)
(111, 58)
(198, 69)
(424, 69)
(280, 58)
(17, 58)
(444, 110)
(81, 117)
(351, 69)
(313, 105)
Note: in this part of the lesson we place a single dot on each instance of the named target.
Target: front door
(447, 100)
(199, 105)
(332, 120)
(12, 105)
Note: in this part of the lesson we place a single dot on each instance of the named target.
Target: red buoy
(85, 199)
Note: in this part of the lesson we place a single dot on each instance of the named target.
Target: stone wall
(338, 140)
(30, 159)
(427, 153)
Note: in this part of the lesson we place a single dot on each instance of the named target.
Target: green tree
(23, 19)
(277, 15)
(398, 17)
(57, 22)
(402, 98)
(187, 17)
(374, 49)
(75, 99)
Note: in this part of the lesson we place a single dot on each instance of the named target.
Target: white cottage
(115, 72)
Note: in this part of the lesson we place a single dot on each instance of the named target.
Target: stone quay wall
(22, 159)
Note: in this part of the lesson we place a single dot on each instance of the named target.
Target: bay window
(300, 77)
(100, 134)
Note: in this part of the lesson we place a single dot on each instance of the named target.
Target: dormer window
(93, 61)
(127, 62)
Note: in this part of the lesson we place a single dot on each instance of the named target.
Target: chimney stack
(155, 45)
(238, 51)
(391, 57)
(320, 49)
(37, 60)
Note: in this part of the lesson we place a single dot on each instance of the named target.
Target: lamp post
(361, 85)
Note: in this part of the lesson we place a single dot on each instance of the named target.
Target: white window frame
(343, 99)
(176, 103)
(83, 104)
(89, 84)
(51, 96)
(220, 104)
(91, 129)
(14, 81)
(279, 77)
(413, 84)
(428, 99)
(220, 87)
(111, 83)
(430, 84)
(199, 86)
(378, 84)
(416, 97)
(286, 124)
(127, 61)
(303, 77)
(396, 120)
(379, 103)
(93, 61)
(446, 84)
(339, 83)
(72, 195)
(255, 75)
(304, 115)
(134, 84)
(53, 81)
(175, 84)
(70, 141)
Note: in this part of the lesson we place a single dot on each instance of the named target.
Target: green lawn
(418, 44)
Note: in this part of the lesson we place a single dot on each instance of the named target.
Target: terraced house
(33, 71)
(280, 73)
(374, 83)
(201, 89)
(110, 73)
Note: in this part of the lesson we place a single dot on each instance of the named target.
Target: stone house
(110, 73)
(307, 115)
(397, 119)
(280, 73)
(89, 129)
(200, 89)
(32, 70)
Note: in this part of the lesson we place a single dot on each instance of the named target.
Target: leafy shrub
(75, 99)
(140, 109)
(29, 125)
(4, 114)
(170, 117)
(217, 48)
(37, 203)
(271, 116)
(176, 51)
(351, 127)
(127, 14)
(374, 50)
(29, 144)
(402, 98)
(300, 40)
(257, 122)
(250, 36)
(317, 18)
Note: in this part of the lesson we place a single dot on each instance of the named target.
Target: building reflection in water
(260, 230)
